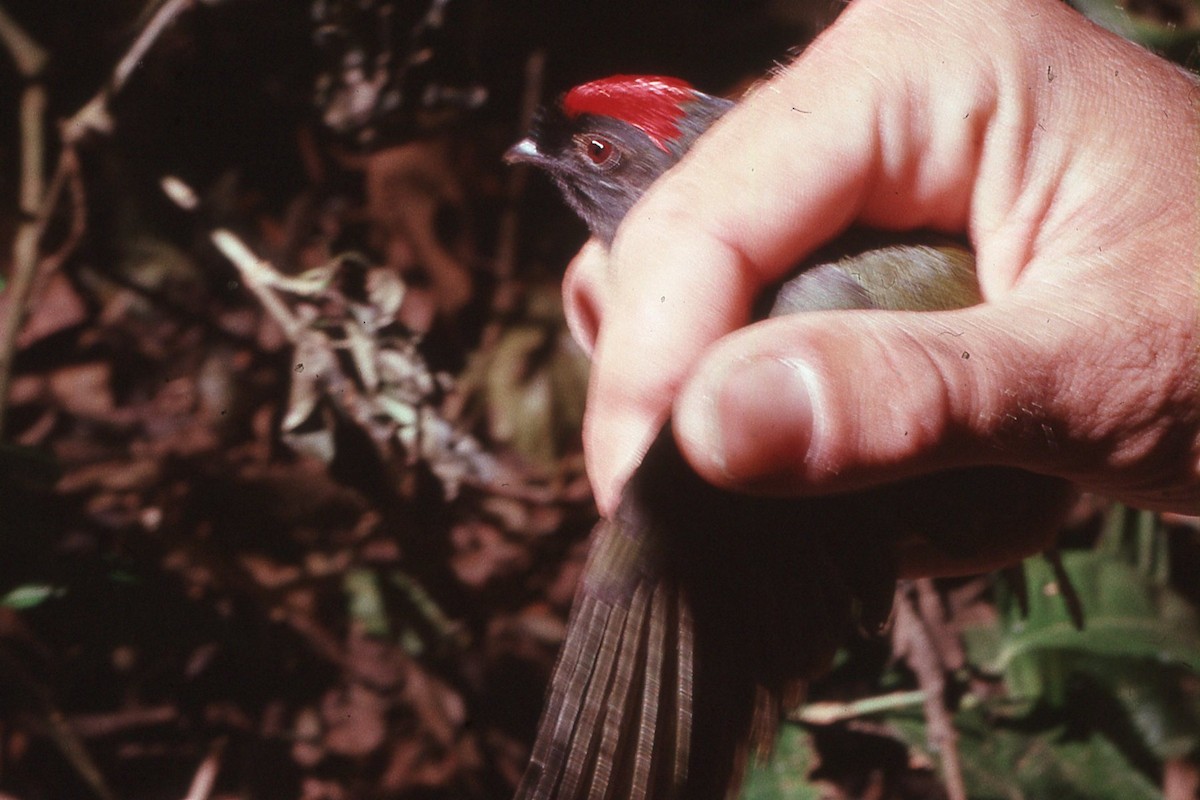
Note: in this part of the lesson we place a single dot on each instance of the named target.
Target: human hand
(1069, 156)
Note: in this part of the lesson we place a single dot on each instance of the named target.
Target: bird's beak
(524, 152)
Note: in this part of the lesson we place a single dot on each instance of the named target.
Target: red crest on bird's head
(653, 104)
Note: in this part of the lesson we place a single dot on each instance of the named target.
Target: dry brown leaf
(354, 718)
(308, 749)
(35, 433)
(175, 398)
(316, 789)
(562, 589)
(57, 308)
(27, 389)
(406, 186)
(381, 664)
(538, 622)
(482, 554)
(84, 389)
(117, 476)
(267, 573)
(439, 709)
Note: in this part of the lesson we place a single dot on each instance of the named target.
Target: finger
(641, 355)
(786, 170)
(795, 404)
(583, 294)
(827, 402)
(874, 125)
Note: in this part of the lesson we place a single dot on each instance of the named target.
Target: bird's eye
(598, 150)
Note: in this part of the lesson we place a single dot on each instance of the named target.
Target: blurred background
(291, 492)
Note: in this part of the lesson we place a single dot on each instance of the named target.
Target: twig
(91, 726)
(56, 726)
(27, 265)
(506, 248)
(945, 641)
(30, 60)
(1066, 589)
(259, 277)
(828, 713)
(456, 458)
(37, 205)
(206, 775)
(94, 115)
(912, 641)
(160, 21)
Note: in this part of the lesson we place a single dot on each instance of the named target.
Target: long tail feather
(700, 614)
(602, 732)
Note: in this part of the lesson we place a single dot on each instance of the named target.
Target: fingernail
(753, 421)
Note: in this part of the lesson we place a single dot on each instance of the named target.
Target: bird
(702, 612)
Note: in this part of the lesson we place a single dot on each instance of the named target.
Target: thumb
(1079, 364)
(783, 172)
(824, 402)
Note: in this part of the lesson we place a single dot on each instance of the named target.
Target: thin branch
(91, 726)
(259, 276)
(30, 60)
(206, 775)
(95, 116)
(506, 249)
(947, 645)
(1066, 589)
(37, 205)
(912, 641)
(55, 724)
(455, 457)
(33, 149)
(158, 23)
(27, 265)
(827, 713)
(29, 56)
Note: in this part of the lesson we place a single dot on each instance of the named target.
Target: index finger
(783, 172)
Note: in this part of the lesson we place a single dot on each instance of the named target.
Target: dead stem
(30, 60)
(947, 645)
(912, 641)
(25, 243)
(55, 724)
(206, 775)
(27, 54)
(94, 115)
(26, 264)
(518, 176)
(830, 712)
(37, 205)
(260, 278)
(92, 726)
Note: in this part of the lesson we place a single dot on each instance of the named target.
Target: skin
(1071, 159)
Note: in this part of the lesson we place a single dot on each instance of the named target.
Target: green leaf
(1008, 760)
(1164, 717)
(1174, 36)
(1126, 614)
(785, 775)
(30, 595)
(1141, 639)
(532, 383)
(366, 601)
